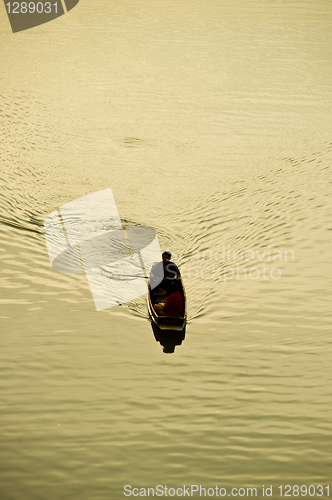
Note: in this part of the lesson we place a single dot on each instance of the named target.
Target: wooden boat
(169, 322)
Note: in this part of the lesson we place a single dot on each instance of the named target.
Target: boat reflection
(168, 339)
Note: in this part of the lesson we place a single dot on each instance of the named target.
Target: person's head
(166, 257)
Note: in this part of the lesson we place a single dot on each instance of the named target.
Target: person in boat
(174, 302)
(163, 274)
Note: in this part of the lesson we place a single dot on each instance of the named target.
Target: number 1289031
(32, 7)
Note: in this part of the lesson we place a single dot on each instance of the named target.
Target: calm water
(211, 122)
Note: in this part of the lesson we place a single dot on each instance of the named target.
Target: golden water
(211, 123)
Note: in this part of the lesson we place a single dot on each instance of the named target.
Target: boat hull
(168, 322)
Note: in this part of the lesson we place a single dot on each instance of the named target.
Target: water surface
(211, 123)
